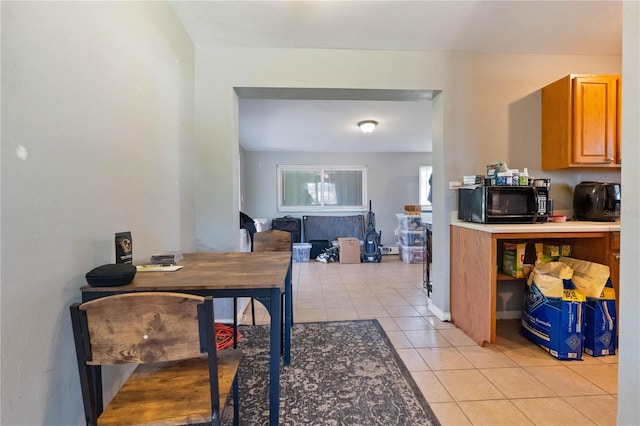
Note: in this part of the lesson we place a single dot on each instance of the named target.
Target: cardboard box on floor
(349, 250)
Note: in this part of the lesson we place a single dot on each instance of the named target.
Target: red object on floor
(224, 336)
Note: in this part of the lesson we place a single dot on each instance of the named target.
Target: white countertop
(569, 226)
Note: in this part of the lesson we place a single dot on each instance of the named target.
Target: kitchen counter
(569, 226)
(476, 259)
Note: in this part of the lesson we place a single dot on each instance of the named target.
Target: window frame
(321, 168)
(423, 187)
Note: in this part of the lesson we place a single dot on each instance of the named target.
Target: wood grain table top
(213, 271)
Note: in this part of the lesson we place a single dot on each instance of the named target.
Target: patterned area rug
(341, 373)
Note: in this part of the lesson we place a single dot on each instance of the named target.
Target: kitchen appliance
(597, 201)
(545, 205)
(499, 204)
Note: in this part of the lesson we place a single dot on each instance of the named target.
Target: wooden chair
(271, 240)
(180, 379)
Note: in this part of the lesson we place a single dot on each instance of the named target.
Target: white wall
(101, 97)
(218, 71)
(392, 182)
(628, 371)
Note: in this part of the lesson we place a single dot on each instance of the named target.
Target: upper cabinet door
(595, 120)
(581, 122)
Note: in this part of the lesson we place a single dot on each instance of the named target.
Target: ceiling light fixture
(367, 126)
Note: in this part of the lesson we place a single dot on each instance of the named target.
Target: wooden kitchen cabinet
(614, 266)
(475, 272)
(581, 122)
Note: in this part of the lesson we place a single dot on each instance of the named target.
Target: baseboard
(442, 316)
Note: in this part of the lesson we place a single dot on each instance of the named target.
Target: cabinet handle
(617, 256)
(609, 160)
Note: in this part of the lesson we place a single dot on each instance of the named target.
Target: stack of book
(472, 180)
(166, 257)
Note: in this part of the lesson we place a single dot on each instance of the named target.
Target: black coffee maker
(544, 203)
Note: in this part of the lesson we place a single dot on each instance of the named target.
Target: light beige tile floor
(511, 382)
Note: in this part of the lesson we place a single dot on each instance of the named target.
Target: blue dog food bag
(600, 327)
(553, 311)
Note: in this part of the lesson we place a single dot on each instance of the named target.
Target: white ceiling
(328, 123)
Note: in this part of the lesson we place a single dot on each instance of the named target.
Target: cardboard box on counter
(494, 168)
(517, 255)
(553, 249)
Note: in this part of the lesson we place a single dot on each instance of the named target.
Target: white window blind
(321, 188)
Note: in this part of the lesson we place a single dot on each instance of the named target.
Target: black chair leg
(236, 402)
(235, 322)
(283, 310)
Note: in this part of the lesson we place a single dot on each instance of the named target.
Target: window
(424, 176)
(321, 188)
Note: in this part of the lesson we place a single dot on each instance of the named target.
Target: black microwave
(499, 204)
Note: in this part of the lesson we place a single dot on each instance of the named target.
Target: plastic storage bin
(412, 238)
(410, 222)
(412, 254)
(301, 252)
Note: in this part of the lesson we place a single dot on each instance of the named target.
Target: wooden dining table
(265, 276)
